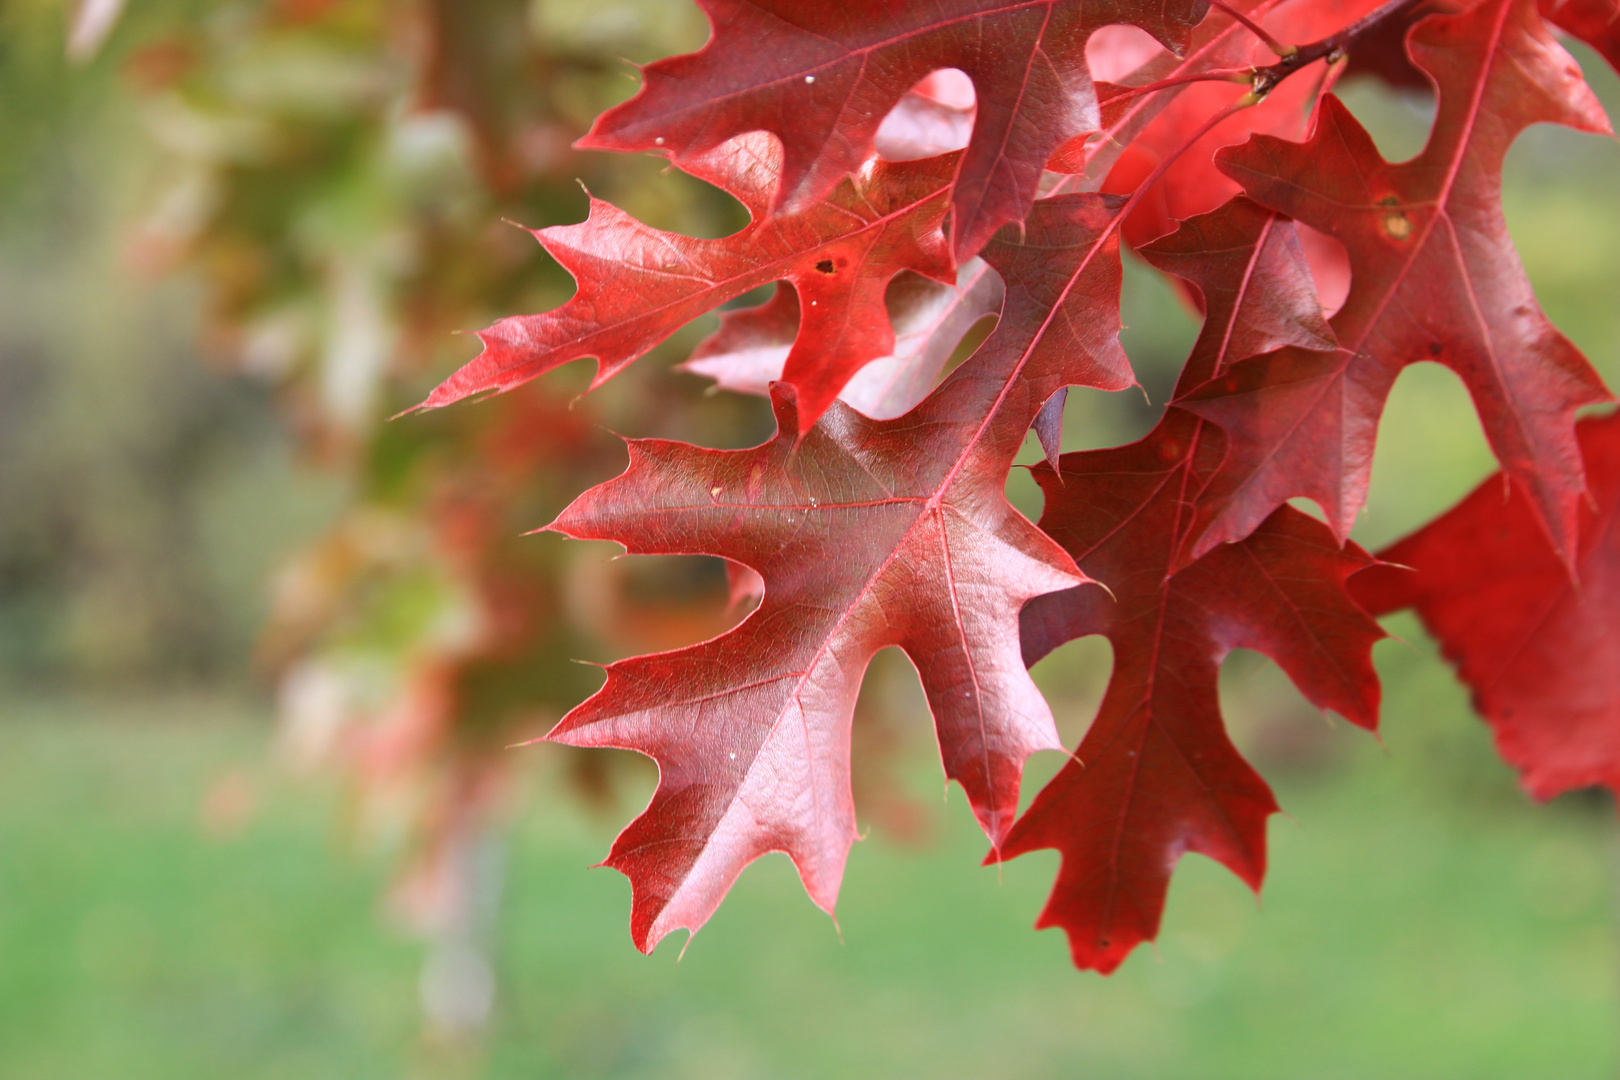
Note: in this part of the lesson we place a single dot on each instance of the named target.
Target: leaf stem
(1233, 75)
(1256, 29)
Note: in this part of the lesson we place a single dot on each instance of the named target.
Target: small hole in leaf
(825, 266)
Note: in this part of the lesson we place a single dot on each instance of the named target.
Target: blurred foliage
(330, 179)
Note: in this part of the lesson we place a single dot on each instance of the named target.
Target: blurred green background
(174, 903)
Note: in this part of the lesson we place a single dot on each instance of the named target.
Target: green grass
(1422, 919)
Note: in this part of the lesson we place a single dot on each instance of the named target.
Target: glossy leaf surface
(822, 75)
(867, 534)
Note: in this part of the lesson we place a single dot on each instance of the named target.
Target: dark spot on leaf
(825, 266)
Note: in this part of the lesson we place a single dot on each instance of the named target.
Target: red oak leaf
(1156, 775)
(637, 285)
(1540, 652)
(749, 350)
(822, 76)
(747, 353)
(1382, 50)
(867, 534)
(1435, 277)
(1596, 22)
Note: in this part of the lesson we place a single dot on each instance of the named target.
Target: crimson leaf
(1156, 775)
(867, 534)
(1435, 277)
(638, 285)
(1541, 653)
(822, 75)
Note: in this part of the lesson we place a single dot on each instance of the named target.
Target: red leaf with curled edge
(1540, 652)
(867, 534)
(1596, 22)
(749, 350)
(1435, 277)
(821, 75)
(1156, 775)
(637, 285)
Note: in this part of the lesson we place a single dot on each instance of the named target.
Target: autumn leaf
(1156, 775)
(637, 285)
(1540, 652)
(867, 534)
(1435, 277)
(877, 148)
(821, 76)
